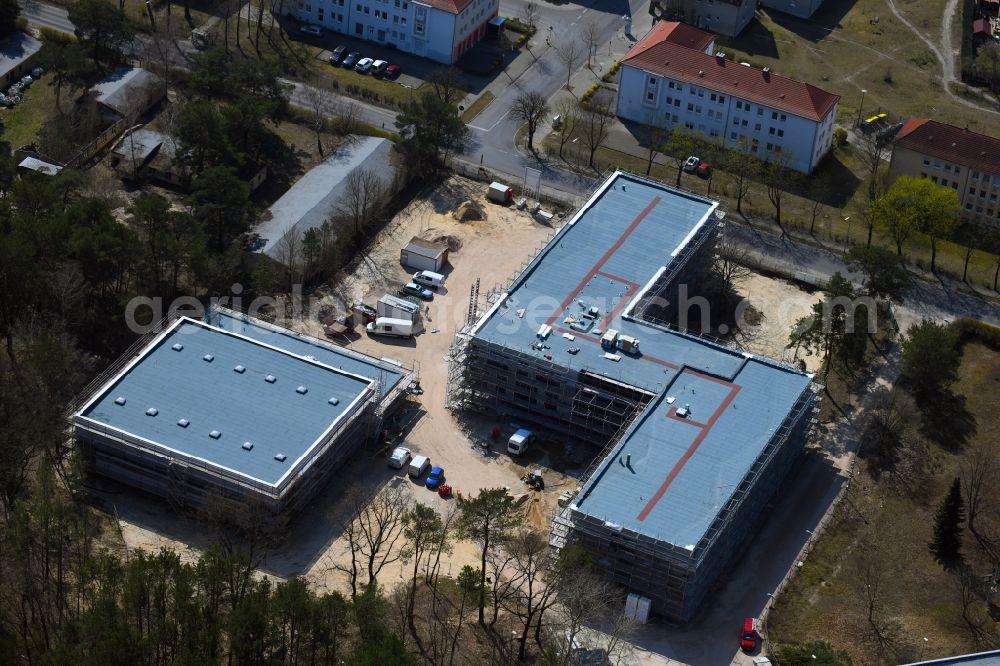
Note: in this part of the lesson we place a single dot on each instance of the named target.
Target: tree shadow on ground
(946, 420)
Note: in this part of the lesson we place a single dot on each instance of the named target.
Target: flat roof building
(232, 410)
(321, 194)
(696, 436)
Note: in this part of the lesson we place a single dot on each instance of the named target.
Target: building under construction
(233, 411)
(696, 436)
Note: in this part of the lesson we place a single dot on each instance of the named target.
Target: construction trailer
(423, 255)
(233, 412)
(693, 437)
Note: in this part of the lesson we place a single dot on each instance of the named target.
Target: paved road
(47, 16)
(939, 299)
(493, 130)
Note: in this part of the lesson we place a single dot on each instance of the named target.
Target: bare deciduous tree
(872, 150)
(570, 52)
(530, 108)
(373, 532)
(744, 168)
(594, 125)
(730, 269)
(362, 198)
(591, 34)
(569, 118)
(316, 101)
(529, 13)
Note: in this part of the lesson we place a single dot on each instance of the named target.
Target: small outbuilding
(38, 165)
(18, 53)
(423, 255)
(128, 92)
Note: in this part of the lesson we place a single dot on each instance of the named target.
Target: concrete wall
(653, 99)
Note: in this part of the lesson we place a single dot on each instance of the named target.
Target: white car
(399, 457)
(311, 30)
(364, 65)
(691, 163)
(379, 67)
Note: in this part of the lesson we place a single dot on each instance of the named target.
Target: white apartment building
(441, 30)
(670, 78)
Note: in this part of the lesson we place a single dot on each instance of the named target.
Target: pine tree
(946, 546)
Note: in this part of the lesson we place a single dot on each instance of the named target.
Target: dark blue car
(435, 478)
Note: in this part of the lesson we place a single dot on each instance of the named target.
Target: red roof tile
(950, 143)
(450, 6)
(675, 33)
(659, 54)
(982, 27)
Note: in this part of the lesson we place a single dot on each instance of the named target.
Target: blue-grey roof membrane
(682, 471)
(386, 374)
(242, 406)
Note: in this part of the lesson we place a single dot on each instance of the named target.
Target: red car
(748, 637)
(392, 71)
(704, 170)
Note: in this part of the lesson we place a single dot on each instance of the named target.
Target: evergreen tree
(946, 546)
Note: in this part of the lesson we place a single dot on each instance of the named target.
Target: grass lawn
(882, 530)
(477, 107)
(840, 50)
(831, 230)
(22, 123)
(364, 87)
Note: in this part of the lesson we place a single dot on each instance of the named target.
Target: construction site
(691, 438)
(233, 412)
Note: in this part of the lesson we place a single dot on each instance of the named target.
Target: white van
(429, 279)
(520, 441)
(418, 466)
(398, 328)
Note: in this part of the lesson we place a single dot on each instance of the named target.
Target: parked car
(429, 279)
(392, 71)
(379, 67)
(311, 30)
(704, 170)
(748, 637)
(435, 478)
(691, 163)
(400, 456)
(351, 59)
(337, 55)
(364, 65)
(413, 289)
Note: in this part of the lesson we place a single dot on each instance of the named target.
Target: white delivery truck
(500, 193)
(520, 441)
(429, 279)
(398, 328)
(418, 466)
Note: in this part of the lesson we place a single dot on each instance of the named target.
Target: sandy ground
(781, 303)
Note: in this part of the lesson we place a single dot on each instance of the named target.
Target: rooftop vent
(701, 72)
(184, 423)
(720, 54)
(240, 369)
(280, 457)
(270, 379)
(766, 70)
(120, 400)
(334, 401)
(247, 446)
(302, 390)
(208, 357)
(152, 411)
(177, 346)
(215, 434)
